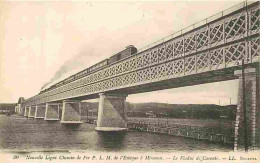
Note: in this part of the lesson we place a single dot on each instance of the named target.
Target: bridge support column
(22, 111)
(52, 112)
(252, 110)
(19, 109)
(40, 111)
(60, 110)
(111, 112)
(26, 111)
(31, 112)
(15, 110)
(71, 112)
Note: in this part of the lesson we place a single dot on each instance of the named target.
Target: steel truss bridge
(207, 53)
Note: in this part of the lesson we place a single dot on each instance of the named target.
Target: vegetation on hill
(7, 106)
(179, 111)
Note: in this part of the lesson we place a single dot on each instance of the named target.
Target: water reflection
(111, 140)
(52, 121)
(72, 126)
(22, 134)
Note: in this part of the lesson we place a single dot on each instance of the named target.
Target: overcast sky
(42, 41)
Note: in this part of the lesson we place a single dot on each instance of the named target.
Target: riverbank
(211, 130)
(221, 124)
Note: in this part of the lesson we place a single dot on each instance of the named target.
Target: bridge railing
(197, 24)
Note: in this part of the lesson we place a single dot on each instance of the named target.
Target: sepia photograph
(129, 81)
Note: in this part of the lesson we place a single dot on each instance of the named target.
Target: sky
(45, 41)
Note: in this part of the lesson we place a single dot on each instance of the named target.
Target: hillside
(193, 111)
(8, 106)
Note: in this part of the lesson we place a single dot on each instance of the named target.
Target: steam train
(130, 50)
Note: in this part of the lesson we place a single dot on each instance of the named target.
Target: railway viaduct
(209, 51)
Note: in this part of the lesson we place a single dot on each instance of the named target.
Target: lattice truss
(217, 45)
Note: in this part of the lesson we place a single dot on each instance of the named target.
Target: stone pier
(71, 112)
(52, 112)
(252, 110)
(19, 109)
(31, 111)
(16, 110)
(111, 112)
(60, 110)
(40, 111)
(22, 110)
(26, 111)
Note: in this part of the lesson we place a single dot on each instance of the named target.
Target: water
(31, 135)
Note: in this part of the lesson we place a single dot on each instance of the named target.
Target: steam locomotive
(130, 50)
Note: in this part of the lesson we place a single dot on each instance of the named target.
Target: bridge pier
(111, 112)
(252, 97)
(31, 112)
(19, 109)
(40, 111)
(26, 111)
(22, 111)
(60, 110)
(52, 112)
(71, 112)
